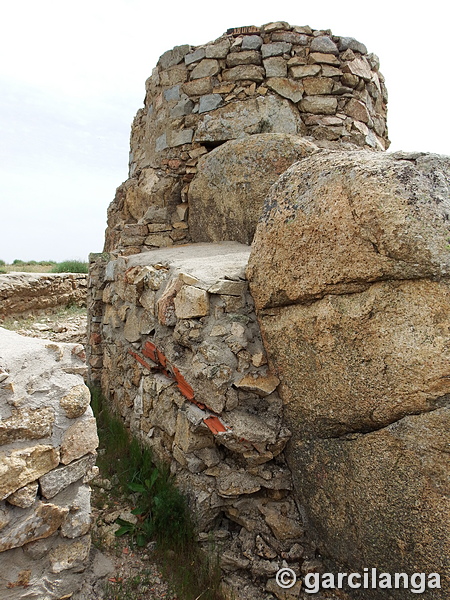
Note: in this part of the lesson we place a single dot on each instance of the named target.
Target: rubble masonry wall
(185, 367)
(48, 440)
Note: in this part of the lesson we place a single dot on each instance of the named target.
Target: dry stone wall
(271, 79)
(185, 366)
(24, 293)
(48, 444)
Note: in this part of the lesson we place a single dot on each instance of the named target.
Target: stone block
(209, 102)
(350, 80)
(237, 483)
(76, 401)
(252, 42)
(60, 478)
(22, 466)
(246, 57)
(322, 58)
(357, 109)
(315, 86)
(158, 240)
(244, 72)
(198, 87)
(275, 26)
(191, 302)
(28, 525)
(165, 305)
(228, 287)
(359, 67)
(286, 87)
(195, 56)
(349, 42)
(322, 105)
(275, 49)
(206, 68)
(179, 138)
(174, 75)
(324, 44)
(78, 521)
(247, 117)
(291, 37)
(182, 108)
(301, 71)
(172, 93)
(27, 424)
(79, 439)
(218, 50)
(173, 57)
(24, 497)
(189, 440)
(138, 322)
(70, 555)
(161, 142)
(275, 66)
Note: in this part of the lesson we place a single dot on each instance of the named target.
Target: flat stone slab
(206, 263)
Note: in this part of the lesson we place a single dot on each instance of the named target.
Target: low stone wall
(22, 293)
(276, 78)
(184, 365)
(47, 453)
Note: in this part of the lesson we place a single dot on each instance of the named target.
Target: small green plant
(17, 261)
(71, 266)
(2, 263)
(142, 531)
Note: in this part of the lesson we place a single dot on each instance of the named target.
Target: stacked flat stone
(48, 440)
(192, 303)
(271, 79)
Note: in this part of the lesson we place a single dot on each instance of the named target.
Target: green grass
(17, 322)
(161, 509)
(45, 266)
(71, 266)
(28, 266)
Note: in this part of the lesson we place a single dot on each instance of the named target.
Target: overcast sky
(72, 77)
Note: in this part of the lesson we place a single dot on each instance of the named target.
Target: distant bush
(3, 272)
(17, 261)
(2, 263)
(47, 263)
(71, 266)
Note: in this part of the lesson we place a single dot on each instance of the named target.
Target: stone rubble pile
(48, 442)
(26, 293)
(183, 363)
(271, 79)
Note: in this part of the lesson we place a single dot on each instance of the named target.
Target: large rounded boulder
(350, 272)
(227, 194)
